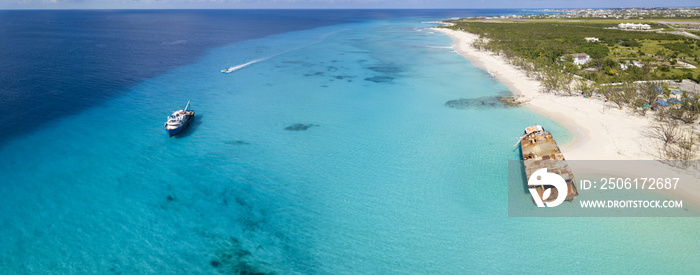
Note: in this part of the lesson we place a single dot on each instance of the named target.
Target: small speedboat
(179, 120)
(229, 70)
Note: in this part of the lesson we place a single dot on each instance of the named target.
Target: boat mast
(188, 105)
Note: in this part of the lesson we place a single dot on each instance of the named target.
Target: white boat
(229, 70)
(179, 120)
(235, 68)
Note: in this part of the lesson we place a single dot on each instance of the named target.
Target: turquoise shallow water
(387, 181)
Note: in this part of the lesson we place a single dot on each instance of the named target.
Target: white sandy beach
(599, 133)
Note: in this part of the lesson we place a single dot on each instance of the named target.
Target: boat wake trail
(241, 66)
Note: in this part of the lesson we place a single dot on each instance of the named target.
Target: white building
(633, 26)
(579, 58)
(592, 39)
(627, 64)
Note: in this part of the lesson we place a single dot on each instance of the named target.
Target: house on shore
(627, 64)
(592, 39)
(579, 58)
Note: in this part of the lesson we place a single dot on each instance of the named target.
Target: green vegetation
(687, 47)
(543, 42)
(625, 70)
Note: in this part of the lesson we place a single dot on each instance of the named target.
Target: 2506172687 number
(639, 183)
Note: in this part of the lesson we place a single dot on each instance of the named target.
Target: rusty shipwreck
(539, 150)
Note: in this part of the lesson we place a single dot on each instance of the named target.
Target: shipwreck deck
(540, 150)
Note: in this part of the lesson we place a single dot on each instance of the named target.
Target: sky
(336, 4)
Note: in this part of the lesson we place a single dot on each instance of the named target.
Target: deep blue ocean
(382, 177)
(57, 63)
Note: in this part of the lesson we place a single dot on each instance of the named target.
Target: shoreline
(581, 116)
(599, 133)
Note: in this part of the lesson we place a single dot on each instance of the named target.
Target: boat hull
(539, 150)
(175, 131)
